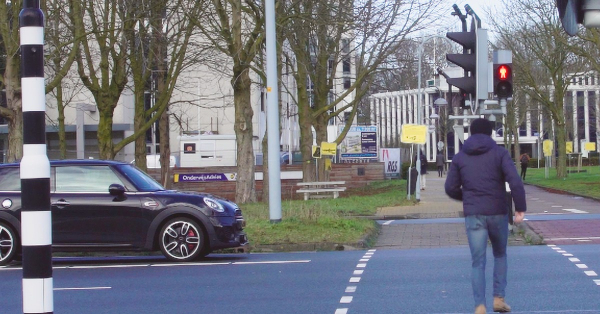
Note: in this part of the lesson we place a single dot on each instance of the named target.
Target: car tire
(182, 240)
(9, 244)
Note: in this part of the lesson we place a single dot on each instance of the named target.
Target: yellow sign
(590, 146)
(328, 148)
(316, 151)
(548, 146)
(569, 147)
(269, 89)
(414, 133)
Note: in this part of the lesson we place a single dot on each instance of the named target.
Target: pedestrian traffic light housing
(503, 73)
(474, 61)
(503, 80)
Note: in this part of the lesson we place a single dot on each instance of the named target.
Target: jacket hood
(478, 144)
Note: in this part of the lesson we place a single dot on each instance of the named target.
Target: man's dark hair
(481, 126)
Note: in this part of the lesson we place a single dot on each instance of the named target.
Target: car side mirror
(116, 189)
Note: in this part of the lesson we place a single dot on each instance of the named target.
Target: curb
(530, 236)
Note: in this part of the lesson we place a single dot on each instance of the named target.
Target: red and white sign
(391, 158)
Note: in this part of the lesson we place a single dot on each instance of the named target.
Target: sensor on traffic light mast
(503, 82)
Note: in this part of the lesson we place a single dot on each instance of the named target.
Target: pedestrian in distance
(423, 170)
(524, 160)
(477, 177)
(439, 161)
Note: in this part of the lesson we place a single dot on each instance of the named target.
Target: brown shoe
(480, 309)
(500, 306)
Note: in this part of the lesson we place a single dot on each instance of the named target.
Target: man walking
(439, 161)
(476, 177)
(524, 159)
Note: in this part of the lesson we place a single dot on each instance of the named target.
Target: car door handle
(61, 203)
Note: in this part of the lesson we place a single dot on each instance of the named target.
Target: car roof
(80, 162)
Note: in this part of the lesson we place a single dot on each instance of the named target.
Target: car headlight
(214, 205)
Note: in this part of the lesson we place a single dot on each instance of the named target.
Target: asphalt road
(542, 279)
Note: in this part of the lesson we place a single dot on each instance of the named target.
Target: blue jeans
(479, 228)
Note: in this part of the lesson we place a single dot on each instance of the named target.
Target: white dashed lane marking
(360, 269)
(579, 265)
(575, 211)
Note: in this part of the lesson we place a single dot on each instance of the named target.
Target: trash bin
(412, 185)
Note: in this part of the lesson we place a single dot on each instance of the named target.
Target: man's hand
(519, 217)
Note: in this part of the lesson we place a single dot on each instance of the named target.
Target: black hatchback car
(100, 205)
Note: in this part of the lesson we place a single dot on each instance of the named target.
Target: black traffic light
(466, 60)
(474, 61)
(503, 80)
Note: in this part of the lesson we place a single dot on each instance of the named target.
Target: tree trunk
(561, 143)
(321, 132)
(245, 188)
(15, 136)
(62, 138)
(105, 142)
(265, 168)
(139, 119)
(165, 151)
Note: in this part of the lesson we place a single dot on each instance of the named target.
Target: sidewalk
(438, 224)
(434, 203)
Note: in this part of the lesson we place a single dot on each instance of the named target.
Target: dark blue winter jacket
(477, 175)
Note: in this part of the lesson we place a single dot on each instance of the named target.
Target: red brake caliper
(190, 234)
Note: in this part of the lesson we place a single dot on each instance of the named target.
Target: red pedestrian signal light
(503, 72)
(503, 80)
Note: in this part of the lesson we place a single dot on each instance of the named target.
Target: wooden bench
(316, 189)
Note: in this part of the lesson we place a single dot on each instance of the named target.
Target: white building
(390, 110)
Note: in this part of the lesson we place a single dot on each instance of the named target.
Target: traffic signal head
(474, 61)
(503, 80)
(503, 76)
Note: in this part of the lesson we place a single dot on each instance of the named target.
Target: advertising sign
(360, 142)
(391, 159)
(569, 147)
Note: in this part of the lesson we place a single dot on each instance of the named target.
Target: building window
(346, 46)
(346, 66)
(347, 82)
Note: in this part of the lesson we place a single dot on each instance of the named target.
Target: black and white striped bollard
(36, 218)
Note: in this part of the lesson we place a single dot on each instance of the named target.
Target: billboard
(360, 142)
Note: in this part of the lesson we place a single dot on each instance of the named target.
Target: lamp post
(419, 108)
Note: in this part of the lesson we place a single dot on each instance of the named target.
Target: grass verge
(324, 220)
(581, 183)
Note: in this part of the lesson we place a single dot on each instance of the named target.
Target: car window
(85, 178)
(140, 179)
(10, 179)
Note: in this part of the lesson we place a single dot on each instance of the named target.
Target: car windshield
(140, 179)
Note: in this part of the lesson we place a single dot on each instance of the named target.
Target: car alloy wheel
(8, 244)
(181, 239)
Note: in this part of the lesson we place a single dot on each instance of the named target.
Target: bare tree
(359, 35)
(102, 60)
(236, 29)
(158, 53)
(542, 59)
(10, 81)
